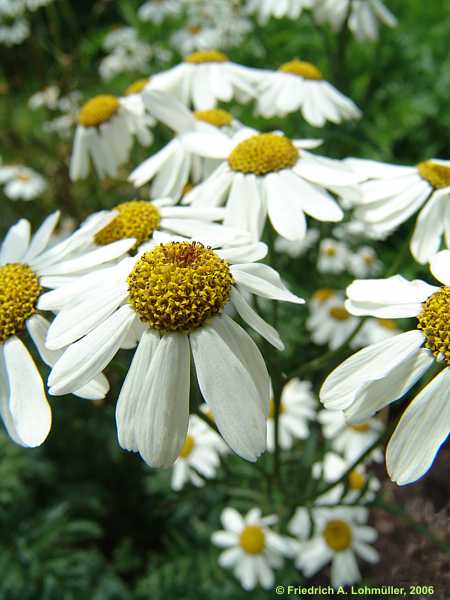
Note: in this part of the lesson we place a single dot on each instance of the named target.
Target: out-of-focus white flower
(199, 456)
(127, 53)
(297, 408)
(330, 323)
(364, 262)
(296, 248)
(157, 11)
(21, 183)
(264, 9)
(15, 33)
(48, 97)
(12, 8)
(357, 230)
(363, 20)
(251, 549)
(375, 330)
(333, 256)
(195, 37)
(299, 85)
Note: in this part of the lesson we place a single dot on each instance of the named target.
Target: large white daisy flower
(383, 372)
(252, 549)
(199, 457)
(207, 77)
(27, 265)
(363, 19)
(300, 85)
(392, 194)
(297, 408)
(105, 132)
(338, 538)
(264, 9)
(172, 297)
(22, 183)
(267, 174)
(175, 165)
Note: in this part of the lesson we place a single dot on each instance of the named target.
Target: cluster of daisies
(14, 19)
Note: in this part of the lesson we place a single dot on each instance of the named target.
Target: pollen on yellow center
(436, 174)
(19, 292)
(98, 110)
(214, 116)
(206, 56)
(339, 313)
(356, 480)
(301, 69)
(136, 87)
(338, 535)
(188, 446)
(263, 153)
(434, 322)
(179, 285)
(272, 408)
(137, 218)
(323, 295)
(252, 539)
(361, 427)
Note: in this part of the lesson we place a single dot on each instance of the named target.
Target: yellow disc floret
(98, 110)
(188, 446)
(338, 535)
(388, 324)
(301, 69)
(214, 116)
(19, 292)
(178, 285)
(136, 87)
(272, 408)
(323, 295)
(252, 539)
(435, 324)
(356, 480)
(263, 153)
(339, 313)
(206, 56)
(136, 219)
(361, 428)
(436, 174)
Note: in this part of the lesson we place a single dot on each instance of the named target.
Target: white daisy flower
(330, 322)
(27, 265)
(299, 85)
(157, 11)
(364, 262)
(364, 18)
(106, 127)
(207, 77)
(267, 174)
(333, 256)
(321, 298)
(172, 297)
(350, 440)
(383, 372)
(47, 98)
(264, 9)
(175, 165)
(392, 194)
(15, 33)
(338, 538)
(296, 248)
(252, 550)
(297, 408)
(11, 8)
(375, 330)
(356, 487)
(195, 37)
(22, 183)
(356, 229)
(199, 457)
(127, 53)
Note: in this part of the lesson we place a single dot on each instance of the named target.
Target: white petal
(284, 207)
(429, 228)
(42, 236)
(16, 242)
(232, 520)
(167, 109)
(264, 281)
(243, 253)
(315, 201)
(440, 266)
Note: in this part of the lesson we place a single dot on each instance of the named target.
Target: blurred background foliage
(79, 517)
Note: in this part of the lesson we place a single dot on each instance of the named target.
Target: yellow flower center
(323, 295)
(214, 116)
(263, 153)
(301, 69)
(387, 324)
(178, 285)
(329, 250)
(338, 535)
(206, 56)
(24, 178)
(98, 110)
(136, 87)
(356, 480)
(194, 29)
(272, 409)
(435, 324)
(437, 175)
(361, 428)
(19, 292)
(339, 313)
(252, 539)
(188, 446)
(137, 218)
